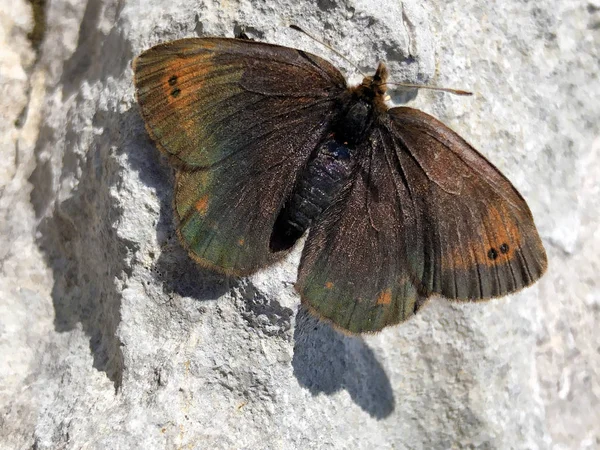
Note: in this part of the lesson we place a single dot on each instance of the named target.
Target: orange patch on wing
(187, 186)
(181, 81)
(202, 205)
(385, 298)
(187, 74)
(503, 233)
(241, 241)
(328, 285)
(499, 231)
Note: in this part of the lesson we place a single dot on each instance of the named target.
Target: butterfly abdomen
(324, 176)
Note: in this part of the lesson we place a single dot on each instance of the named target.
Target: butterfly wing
(352, 272)
(238, 119)
(425, 214)
(469, 234)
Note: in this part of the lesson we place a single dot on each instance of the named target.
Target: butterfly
(269, 143)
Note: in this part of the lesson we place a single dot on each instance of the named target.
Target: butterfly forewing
(468, 233)
(239, 119)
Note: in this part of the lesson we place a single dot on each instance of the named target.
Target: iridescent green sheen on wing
(226, 212)
(358, 310)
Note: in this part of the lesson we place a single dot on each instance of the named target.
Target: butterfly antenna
(433, 88)
(297, 28)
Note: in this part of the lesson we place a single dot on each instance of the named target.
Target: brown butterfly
(270, 141)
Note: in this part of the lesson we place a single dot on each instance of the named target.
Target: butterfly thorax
(331, 165)
(361, 105)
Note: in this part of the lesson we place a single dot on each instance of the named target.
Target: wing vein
(492, 184)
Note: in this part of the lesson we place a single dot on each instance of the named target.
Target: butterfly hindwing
(352, 272)
(239, 119)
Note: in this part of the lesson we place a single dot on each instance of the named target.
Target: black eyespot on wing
(492, 253)
(504, 248)
(173, 80)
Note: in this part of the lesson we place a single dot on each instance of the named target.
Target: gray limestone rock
(110, 337)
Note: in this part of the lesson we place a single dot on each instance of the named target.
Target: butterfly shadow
(173, 268)
(326, 361)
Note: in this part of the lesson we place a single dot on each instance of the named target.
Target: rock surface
(110, 337)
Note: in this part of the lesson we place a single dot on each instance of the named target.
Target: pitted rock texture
(111, 337)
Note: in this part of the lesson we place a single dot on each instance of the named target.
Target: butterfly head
(376, 83)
